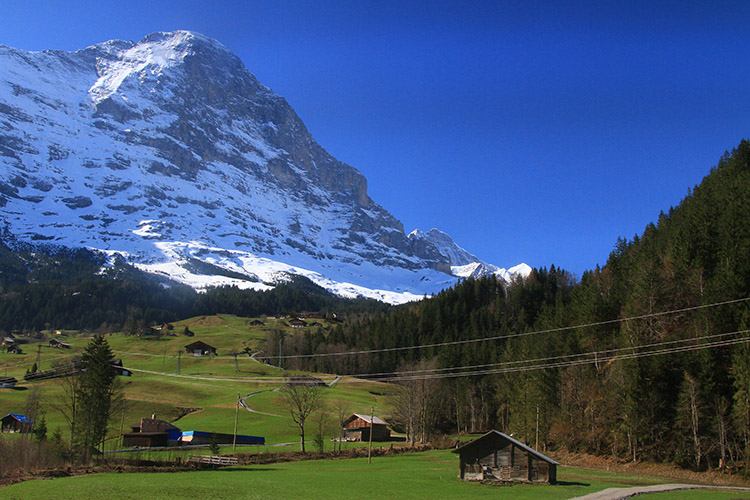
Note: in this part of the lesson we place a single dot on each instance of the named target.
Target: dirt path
(244, 404)
(623, 493)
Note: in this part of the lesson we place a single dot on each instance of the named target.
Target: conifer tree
(98, 392)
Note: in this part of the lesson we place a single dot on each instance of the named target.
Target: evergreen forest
(645, 357)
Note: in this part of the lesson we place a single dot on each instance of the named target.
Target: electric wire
(510, 335)
(489, 368)
(547, 363)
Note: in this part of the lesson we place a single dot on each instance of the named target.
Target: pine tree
(97, 393)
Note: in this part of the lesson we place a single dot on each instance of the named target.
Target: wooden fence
(213, 460)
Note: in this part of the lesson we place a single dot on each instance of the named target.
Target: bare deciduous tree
(301, 400)
(414, 403)
(342, 413)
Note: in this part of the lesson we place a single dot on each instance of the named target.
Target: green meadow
(426, 475)
(209, 387)
(196, 393)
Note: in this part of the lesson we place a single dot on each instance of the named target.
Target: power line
(506, 367)
(511, 335)
(551, 358)
(565, 364)
(492, 368)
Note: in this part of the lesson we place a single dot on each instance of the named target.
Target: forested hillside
(645, 357)
(43, 287)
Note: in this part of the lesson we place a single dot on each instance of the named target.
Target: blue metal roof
(21, 418)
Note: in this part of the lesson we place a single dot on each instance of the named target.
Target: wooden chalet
(151, 433)
(58, 345)
(8, 382)
(119, 370)
(498, 457)
(14, 349)
(257, 322)
(14, 423)
(297, 323)
(9, 340)
(199, 348)
(358, 426)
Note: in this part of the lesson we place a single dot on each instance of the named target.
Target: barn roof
(370, 419)
(199, 344)
(471, 444)
(20, 418)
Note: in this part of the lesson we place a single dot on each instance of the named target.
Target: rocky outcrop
(167, 146)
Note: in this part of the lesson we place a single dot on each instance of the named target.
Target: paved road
(623, 493)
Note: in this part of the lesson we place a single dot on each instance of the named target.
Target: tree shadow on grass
(242, 469)
(572, 483)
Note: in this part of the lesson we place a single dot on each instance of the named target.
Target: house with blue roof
(14, 422)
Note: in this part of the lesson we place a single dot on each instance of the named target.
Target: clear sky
(529, 131)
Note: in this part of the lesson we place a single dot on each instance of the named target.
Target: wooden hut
(8, 382)
(498, 457)
(58, 345)
(151, 433)
(199, 348)
(357, 428)
(13, 422)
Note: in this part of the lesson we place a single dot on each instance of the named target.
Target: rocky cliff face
(169, 151)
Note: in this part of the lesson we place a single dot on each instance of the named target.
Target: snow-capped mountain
(169, 152)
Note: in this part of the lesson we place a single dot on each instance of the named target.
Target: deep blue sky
(528, 131)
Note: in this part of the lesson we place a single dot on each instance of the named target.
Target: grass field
(209, 383)
(428, 475)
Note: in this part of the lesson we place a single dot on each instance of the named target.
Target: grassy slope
(163, 393)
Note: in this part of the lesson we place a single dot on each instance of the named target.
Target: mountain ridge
(169, 150)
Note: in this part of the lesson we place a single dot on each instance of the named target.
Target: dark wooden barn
(58, 345)
(13, 422)
(498, 457)
(199, 348)
(357, 428)
(150, 433)
(8, 382)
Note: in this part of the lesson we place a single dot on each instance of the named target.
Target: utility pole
(236, 418)
(281, 337)
(122, 425)
(38, 354)
(179, 353)
(369, 447)
(536, 445)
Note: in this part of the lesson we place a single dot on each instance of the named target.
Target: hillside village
(172, 382)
